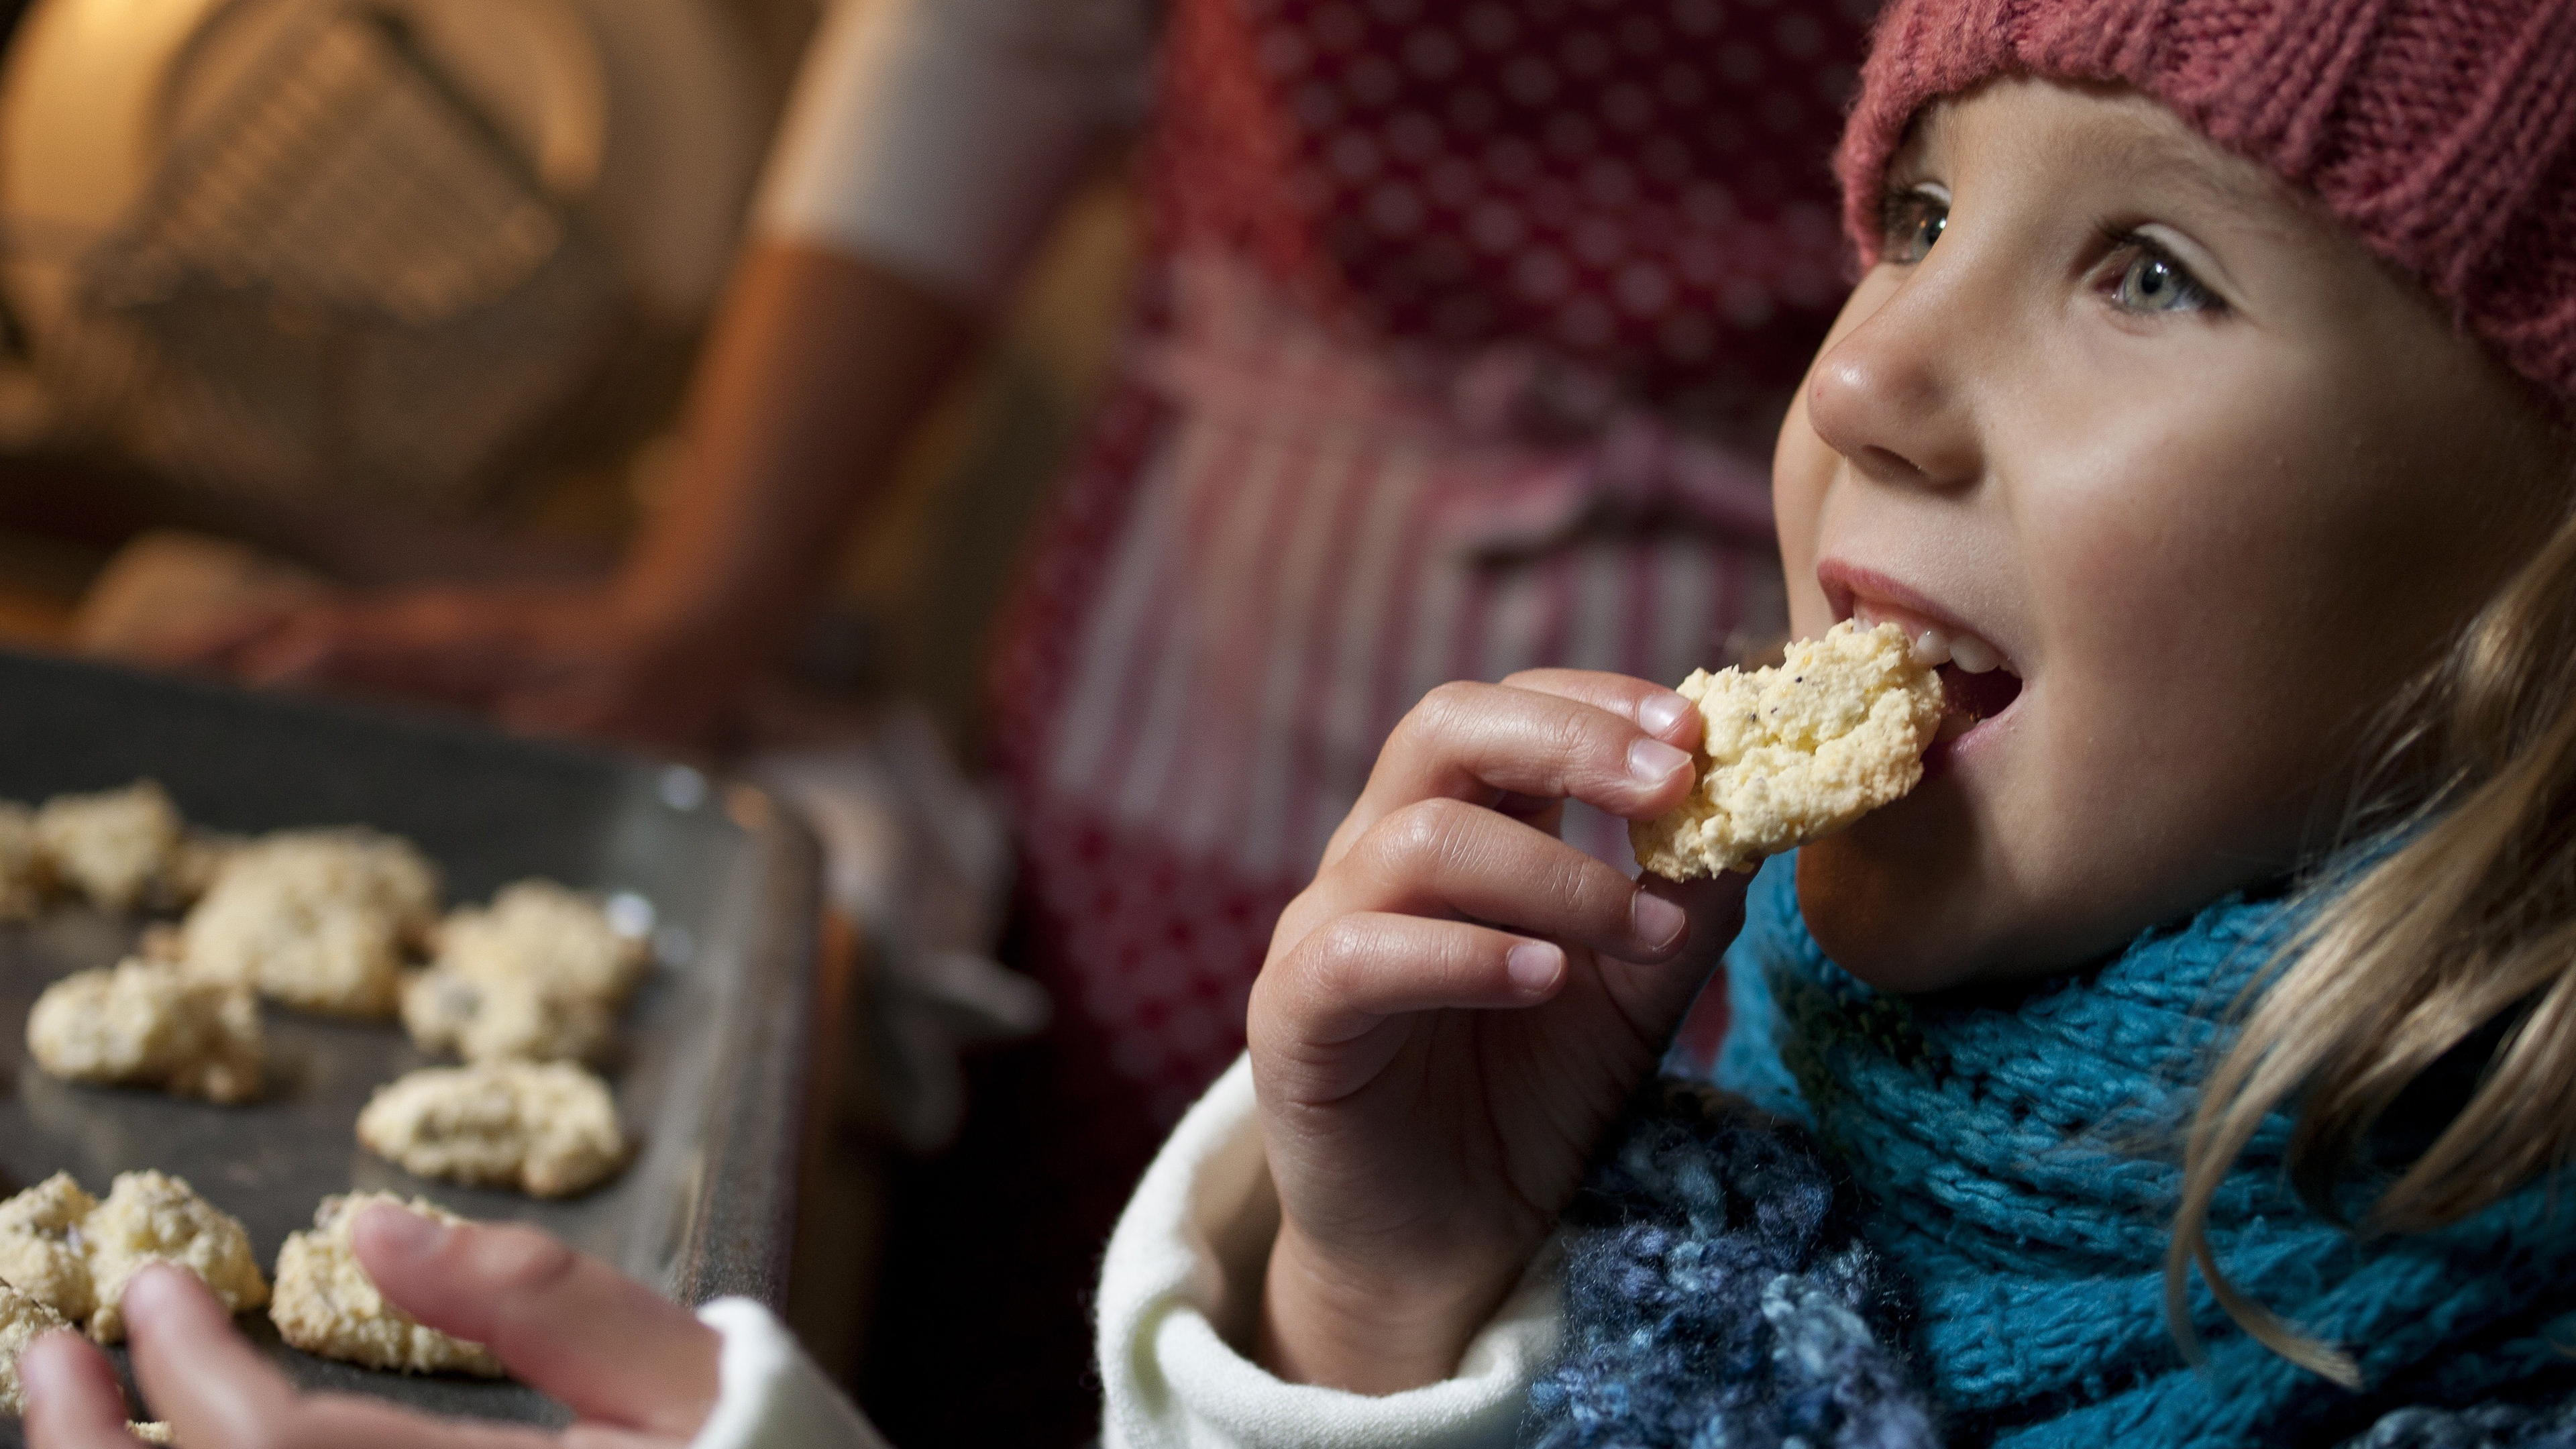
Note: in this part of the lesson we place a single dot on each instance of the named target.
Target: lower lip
(1943, 754)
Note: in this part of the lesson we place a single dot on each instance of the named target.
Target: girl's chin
(1903, 900)
(1909, 907)
(1895, 919)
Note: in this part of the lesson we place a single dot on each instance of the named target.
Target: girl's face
(2121, 411)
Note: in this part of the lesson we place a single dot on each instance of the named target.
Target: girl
(2188, 1060)
(2212, 999)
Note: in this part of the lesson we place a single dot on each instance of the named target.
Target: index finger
(611, 1348)
(1614, 742)
(193, 1368)
(217, 1392)
(1666, 714)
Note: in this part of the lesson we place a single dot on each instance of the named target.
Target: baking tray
(713, 1050)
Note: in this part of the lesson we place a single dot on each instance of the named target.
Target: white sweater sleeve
(770, 1395)
(936, 136)
(1181, 1287)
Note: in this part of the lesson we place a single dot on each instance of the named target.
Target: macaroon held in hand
(636, 1370)
(1457, 1007)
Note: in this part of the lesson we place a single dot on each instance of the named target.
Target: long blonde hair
(2465, 926)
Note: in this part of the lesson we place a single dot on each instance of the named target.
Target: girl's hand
(636, 1370)
(1455, 1010)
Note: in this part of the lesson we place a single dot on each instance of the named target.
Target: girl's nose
(1889, 395)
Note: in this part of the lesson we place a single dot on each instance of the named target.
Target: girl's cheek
(1802, 471)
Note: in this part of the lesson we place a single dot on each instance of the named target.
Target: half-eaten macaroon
(1798, 751)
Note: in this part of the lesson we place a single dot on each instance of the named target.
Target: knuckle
(1418, 834)
(1452, 694)
(1442, 708)
(1579, 734)
(1574, 684)
(1344, 944)
(1593, 891)
(1319, 969)
(1278, 1009)
(1311, 982)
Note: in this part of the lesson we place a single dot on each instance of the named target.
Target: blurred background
(295, 292)
(304, 294)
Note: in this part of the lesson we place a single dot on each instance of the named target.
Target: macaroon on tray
(325, 936)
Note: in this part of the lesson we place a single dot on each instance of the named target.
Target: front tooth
(1974, 655)
(1932, 649)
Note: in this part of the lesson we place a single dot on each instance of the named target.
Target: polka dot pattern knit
(1631, 185)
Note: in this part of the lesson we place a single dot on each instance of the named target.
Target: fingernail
(1534, 965)
(36, 1368)
(404, 1234)
(1657, 922)
(1660, 712)
(1652, 762)
(152, 1283)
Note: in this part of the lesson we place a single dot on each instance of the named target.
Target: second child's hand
(1457, 1008)
(637, 1371)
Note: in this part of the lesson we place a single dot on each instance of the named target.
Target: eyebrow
(2241, 191)
(2233, 195)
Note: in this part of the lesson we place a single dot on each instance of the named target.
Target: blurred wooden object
(41, 582)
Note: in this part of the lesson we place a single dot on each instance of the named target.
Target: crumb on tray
(74, 1254)
(497, 1018)
(325, 1303)
(113, 847)
(151, 1217)
(41, 1252)
(537, 931)
(146, 1023)
(21, 1319)
(549, 1130)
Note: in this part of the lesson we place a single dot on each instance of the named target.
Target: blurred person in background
(1462, 330)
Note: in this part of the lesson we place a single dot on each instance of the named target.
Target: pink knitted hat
(2443, 132)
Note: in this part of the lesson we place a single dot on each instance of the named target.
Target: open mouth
(1977, 681)
(1974, 698)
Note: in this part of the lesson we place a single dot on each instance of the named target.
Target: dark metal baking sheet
(713, 1049)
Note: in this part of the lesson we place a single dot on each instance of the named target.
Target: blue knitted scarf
(1944, 1219)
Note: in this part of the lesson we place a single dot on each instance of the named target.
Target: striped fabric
(1447, 300)
(1312, 548)
(1307, 543)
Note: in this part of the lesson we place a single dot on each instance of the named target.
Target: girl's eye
(1915, 220)
(2152, 281)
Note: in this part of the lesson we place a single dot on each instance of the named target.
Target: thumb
(612, 1349)
(1657, 996)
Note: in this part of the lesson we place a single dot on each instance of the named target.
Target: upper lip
(1849, 586)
